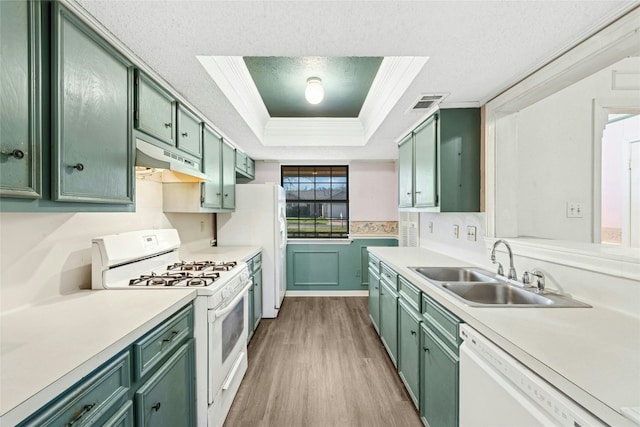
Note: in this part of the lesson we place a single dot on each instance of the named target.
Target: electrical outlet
(471, 233)
(575, 210)
(430, 226)
(456, 231)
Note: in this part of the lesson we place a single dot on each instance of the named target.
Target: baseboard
(326, 294)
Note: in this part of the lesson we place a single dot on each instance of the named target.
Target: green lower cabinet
(257, 298)
(250, 320)
(167, 399)
(409, 349)
(374, 299)
(438, 381)
(389, 320)
(122, 418)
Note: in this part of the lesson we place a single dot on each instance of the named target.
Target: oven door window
(232, 329)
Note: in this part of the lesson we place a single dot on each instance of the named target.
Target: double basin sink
(480, 288)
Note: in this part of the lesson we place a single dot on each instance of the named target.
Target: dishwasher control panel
(556, 405)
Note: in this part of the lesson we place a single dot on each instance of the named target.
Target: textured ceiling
(476, 49)
(281, 82)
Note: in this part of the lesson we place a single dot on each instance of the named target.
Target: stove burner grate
(202, 266)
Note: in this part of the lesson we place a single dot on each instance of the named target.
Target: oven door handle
(227, 308)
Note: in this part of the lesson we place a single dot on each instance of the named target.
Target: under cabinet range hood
(151, 156)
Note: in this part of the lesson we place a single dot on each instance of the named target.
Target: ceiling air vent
(427, 101)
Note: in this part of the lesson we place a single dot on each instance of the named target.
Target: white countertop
(47, 347)
(219, 253)
(590, 354)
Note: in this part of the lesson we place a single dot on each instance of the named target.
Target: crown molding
(234, 80)
(314, 131)
(394, 77)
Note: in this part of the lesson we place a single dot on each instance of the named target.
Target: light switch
(575, 210)
(456, 231)
(471, 233)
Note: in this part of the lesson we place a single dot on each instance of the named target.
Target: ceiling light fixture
(314, 93)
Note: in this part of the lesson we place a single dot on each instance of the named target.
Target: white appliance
(260, 219)
(149, 259)
(498, 391)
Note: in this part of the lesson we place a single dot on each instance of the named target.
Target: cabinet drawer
(153, 348)
(409, 292)
(374, 262)
(389, 275)
(122, 418)
(91, 399)
(441, 321)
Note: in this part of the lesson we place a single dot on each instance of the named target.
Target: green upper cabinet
(189, 132)
(212, 167)
(439, 163)
(245, 167)
(228, 176)
(91, 111)
(155, 112)
(405, 172)
(20, 102)
(425, 185)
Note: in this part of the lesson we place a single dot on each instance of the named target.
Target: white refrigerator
(260, 219)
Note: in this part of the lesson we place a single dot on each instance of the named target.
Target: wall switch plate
(456, 231)
(430, 226)
(471, 233)
(575, 210)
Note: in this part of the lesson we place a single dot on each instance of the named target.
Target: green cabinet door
(92, 140)
(167, 399)
(241, 162)
(20, 103)
(257, 298)
(155, 110)
(405, 172)
(250, 320)
(389, 320)
(212, 167)
(438, 382)
(409, 349)
(189, 132)
(228, 176)
(426, 159)
(374, 299)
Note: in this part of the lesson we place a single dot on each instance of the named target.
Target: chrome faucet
(512, 271)
(540, 279)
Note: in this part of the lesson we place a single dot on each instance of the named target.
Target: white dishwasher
(496, 390)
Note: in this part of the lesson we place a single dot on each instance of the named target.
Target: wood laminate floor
(320, 363)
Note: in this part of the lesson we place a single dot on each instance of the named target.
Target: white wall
(43, 255)
(373, 188)
(554, 156)
(442, 238)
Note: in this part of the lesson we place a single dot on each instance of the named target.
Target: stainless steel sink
(480, 288)
(452, 274)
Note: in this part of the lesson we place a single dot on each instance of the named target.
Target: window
(317, 201)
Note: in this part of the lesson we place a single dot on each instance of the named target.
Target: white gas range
(149, 259)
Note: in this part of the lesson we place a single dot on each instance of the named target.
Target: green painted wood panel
(426, 171)
(346, 272)
(20, 100)
(189, 132)
(374, 299)
(389, 320)
(228, 176)
(92, 98)
(122, 418)
(167, 399)
(405, 172)
(409, 349)
(438, 382)
(257, 298)
(319, 268)
(460, 159)
(155, 110)
(212, 167)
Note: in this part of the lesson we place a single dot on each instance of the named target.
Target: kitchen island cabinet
(546, 340)
(30, 382)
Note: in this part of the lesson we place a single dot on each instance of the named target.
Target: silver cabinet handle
(16, 154)
(79, 167)
(85, 410)
(173, 335)
(156, 407)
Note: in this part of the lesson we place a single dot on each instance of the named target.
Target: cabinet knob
(156, 407)
(426, 349)
(16, 154)
(185, 134)
(218, 194)
(226, 194)
(409, 193)
(79, 167)
(168, 125)
(413, 332)
(418, 192)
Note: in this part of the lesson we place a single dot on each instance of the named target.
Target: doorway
(620, 180)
